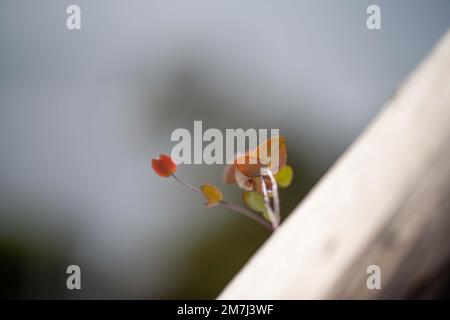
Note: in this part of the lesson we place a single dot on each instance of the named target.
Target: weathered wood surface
(385, 202)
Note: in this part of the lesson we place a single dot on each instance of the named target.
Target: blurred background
(83, 112)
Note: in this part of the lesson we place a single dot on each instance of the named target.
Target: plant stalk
(246, 212)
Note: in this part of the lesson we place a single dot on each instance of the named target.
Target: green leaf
(266, 215)
(254, 201)
(284, 176)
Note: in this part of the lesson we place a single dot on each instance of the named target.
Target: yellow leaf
(254, 201)
(212, 194)
(284, 176)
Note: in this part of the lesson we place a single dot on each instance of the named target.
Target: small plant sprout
(258, 172)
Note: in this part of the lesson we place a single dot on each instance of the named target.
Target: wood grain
(386, 201)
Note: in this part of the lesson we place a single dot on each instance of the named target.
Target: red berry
(163, 165)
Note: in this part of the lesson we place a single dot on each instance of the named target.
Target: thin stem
(267, 204)
(230, 205)
(276, 199)
(187, 185)
(247, 213)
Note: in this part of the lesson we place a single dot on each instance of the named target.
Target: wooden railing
(386, 202)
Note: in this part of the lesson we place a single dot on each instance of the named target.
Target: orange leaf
(212, 194)
(249, 166)
(229, 173)
(163, 165)
(264, 152)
